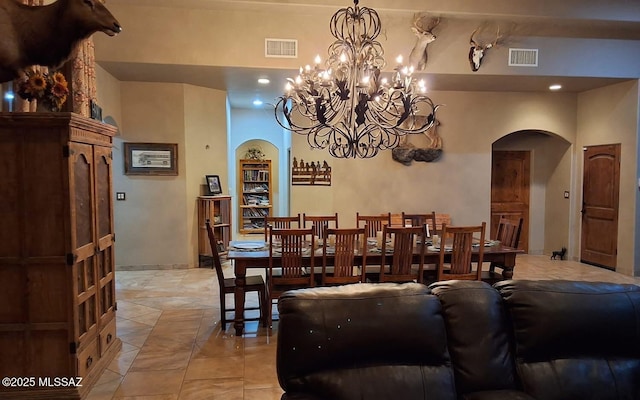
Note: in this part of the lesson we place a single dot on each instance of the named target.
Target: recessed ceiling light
(263, 81)
(555, 87)
(257, 102)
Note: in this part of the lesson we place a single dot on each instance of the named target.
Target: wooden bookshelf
(255, 199)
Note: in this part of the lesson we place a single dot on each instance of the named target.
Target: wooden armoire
(57, 278)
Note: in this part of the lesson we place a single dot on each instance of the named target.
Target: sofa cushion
(479, 343)
(363, 341)
(575, 340)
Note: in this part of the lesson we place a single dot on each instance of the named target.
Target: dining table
(255, 254)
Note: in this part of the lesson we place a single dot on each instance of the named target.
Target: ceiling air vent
(281, 48)
(523, 57)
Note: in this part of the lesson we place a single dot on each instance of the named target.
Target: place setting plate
(249, 246)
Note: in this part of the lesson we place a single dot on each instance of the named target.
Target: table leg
(241, 273)
(509, 264)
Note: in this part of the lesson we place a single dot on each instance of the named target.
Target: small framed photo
(213, 185)
(150, 159)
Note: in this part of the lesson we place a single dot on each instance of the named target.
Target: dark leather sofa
(547, 340)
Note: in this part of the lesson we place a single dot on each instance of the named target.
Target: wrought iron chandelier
(349, 107)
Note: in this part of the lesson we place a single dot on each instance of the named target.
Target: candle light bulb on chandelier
(317, 60)
(399, 59)
(422, 86)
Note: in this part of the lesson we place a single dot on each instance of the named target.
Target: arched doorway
(546, 226)
(279, 176)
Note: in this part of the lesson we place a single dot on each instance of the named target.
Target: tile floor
(175, 349)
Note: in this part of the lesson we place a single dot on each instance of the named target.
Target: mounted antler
(476, 52)
(424, 36)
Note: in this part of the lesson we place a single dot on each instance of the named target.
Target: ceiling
(535, 18)
(242, 87)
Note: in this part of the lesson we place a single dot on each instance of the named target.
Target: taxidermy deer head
(47, 35)
(422, 28)
(477, 50)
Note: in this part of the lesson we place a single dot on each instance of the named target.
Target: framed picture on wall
(150, 159)
(213, 185)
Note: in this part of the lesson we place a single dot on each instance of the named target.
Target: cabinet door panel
(81, 193)
(11, 208)
(104, 206)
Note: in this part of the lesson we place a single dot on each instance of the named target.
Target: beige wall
(222, 35)
(557, 219)
(607, 116)
(156, 225)
(150, 228)
(109, 98)
(459, 183)
(205, 151)
(471, 122)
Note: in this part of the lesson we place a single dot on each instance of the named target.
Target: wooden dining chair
(254, 283)
(320, 223)
(398, 263)
(338, 256)
(458, 247)
(508, 233)
(441, 220)
(420, 220)
(374, 223)
(280, 223)
(291, 253)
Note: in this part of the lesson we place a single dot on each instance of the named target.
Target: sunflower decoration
(48, 88)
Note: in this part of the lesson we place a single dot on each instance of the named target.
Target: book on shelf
(255, 187)
(255, 224)
(255, 212)
(256, 175)
(255, 200)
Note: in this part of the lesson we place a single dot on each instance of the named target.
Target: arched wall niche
(551, 176)
(272, 153)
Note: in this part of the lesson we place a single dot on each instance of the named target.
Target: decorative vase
(42, 106)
